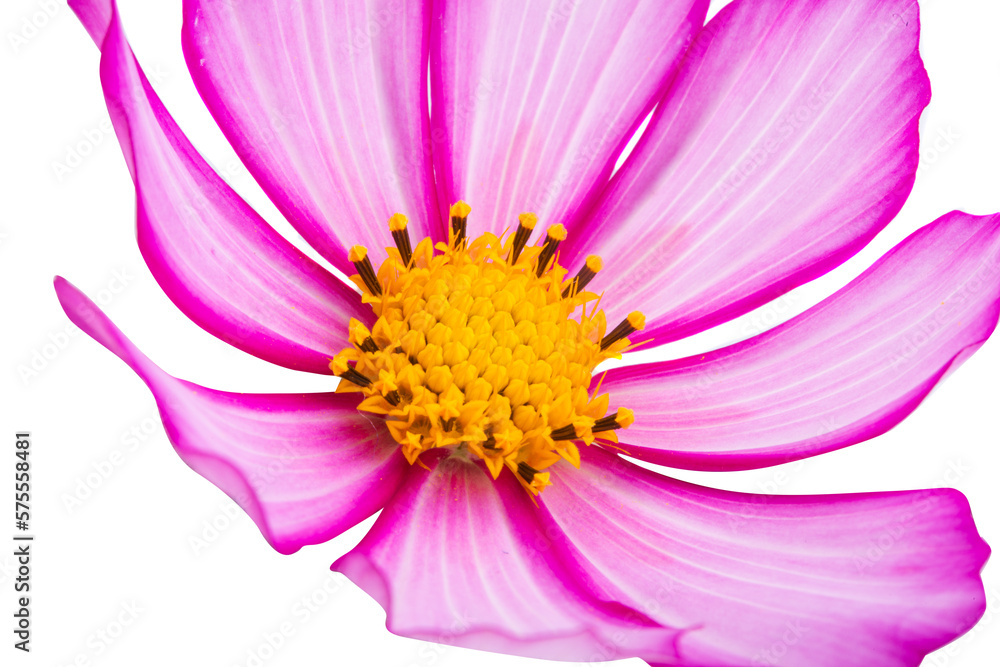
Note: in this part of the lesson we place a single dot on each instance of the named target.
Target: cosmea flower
(469, 411)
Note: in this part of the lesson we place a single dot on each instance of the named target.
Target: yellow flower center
(484, 346)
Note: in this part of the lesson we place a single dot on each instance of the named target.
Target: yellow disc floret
(484, 346)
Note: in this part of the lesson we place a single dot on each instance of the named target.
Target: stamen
(567, 432)
(525, 225)
(553, 237)
(397, 225)
(341, 368)
(584, 276)
(526, 472)
(358, 255)
(635, 321)
(459, 218)
(622, 418)
(359, 335)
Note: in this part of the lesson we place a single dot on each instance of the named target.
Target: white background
(128, 543)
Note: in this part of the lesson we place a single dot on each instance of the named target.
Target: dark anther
(606, 423)
(555, 236)
(567, 432)
(459, 219)
(634, 322)
(397, 225)
(620, 418)
(352, 375)
(359, 257)
(584, 276)
(526, 472)
(402, 239)
(368, 345)
(525, 225)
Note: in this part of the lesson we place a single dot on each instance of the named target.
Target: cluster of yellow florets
(483, 346)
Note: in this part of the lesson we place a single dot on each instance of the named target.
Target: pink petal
(219, 261)
(305, 467)
(822, 581)
(846, 370)
(534, 101)
(457, 558)
(788, 140)
(326, 103)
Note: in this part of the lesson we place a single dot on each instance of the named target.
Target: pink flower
(784, 139)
